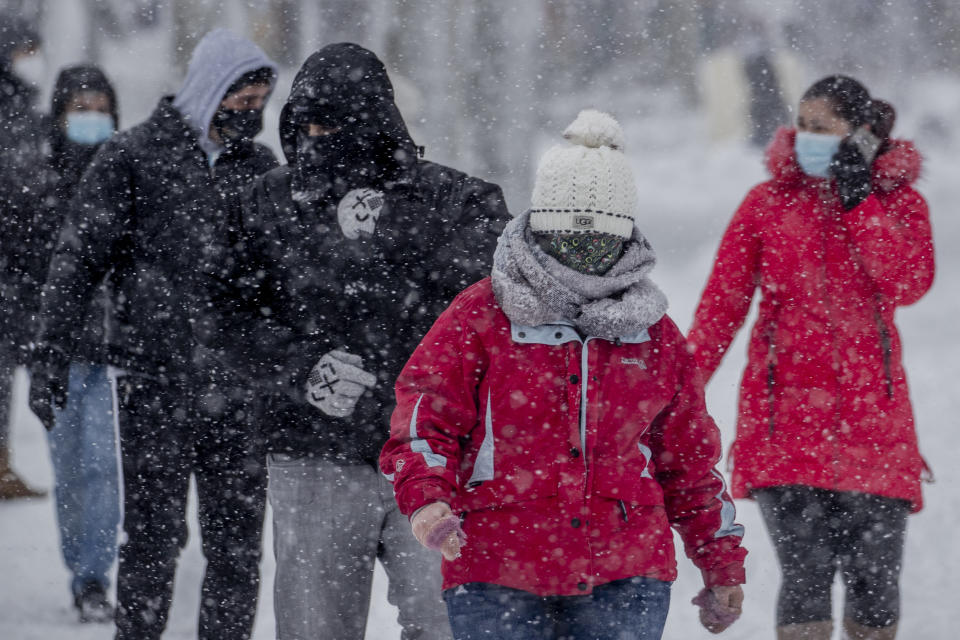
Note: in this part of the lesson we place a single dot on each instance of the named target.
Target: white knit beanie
(586, 186)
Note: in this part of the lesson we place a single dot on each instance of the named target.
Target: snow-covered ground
(689, 190)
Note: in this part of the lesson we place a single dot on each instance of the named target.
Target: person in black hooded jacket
(83, 444)
(150, 200)
(344, 259)
(23, 180)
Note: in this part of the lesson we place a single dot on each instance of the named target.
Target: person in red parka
(553, 420)
(836, 240)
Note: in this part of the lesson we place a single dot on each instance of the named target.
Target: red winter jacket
(568, 460)
(824, 399)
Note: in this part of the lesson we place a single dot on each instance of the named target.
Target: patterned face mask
(589, 253)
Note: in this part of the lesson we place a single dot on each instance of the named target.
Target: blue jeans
(83, 448)
(630, 609)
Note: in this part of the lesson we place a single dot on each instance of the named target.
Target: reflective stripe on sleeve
(421, 446)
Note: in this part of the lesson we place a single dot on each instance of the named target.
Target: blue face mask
(815, 152)
(89, 127)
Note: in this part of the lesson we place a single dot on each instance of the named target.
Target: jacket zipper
(771, 381)
(828, 302)
(887, 351)
(584, 380)
(772, 370)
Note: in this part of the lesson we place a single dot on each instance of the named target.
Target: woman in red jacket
(836, 240)
(553, 419)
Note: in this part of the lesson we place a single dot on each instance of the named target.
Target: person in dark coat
(151, 199)
(83, 444)
(22, 180)
(346, 256)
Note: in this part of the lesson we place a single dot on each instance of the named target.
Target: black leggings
(815, 532)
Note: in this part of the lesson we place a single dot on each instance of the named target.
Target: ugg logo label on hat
(583, 222)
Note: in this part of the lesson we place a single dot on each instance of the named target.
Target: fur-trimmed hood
(900, 164)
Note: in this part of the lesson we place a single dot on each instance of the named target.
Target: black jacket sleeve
(481, 216)
(469, 216)
(245, 303)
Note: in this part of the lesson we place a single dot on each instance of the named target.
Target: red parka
(568, 459)
(824, 399)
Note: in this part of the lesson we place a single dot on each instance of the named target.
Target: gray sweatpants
(331, 523)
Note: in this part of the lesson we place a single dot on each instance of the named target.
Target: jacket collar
(560, 333)
(900, 164)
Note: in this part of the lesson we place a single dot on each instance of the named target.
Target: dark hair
(263, 75)
(852, 102)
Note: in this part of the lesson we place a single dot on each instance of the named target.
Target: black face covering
(337, 163)
(236, 125)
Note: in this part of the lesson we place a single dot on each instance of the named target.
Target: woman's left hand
(851, 171)
(719, 607)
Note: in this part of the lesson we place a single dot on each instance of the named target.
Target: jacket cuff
(726, 576)
(417, 495)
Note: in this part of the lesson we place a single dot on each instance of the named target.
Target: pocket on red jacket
(627, 504)
(510, 486)
(632, 491)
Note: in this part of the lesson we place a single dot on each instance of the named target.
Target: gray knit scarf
(533, 288)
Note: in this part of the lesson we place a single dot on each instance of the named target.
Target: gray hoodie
(221, 58)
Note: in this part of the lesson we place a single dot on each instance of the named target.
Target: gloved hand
(49, 377)
(435, 527)
(852, 172)
(336, 382)
(719, 607)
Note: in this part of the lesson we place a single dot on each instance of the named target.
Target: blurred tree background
(478, 80)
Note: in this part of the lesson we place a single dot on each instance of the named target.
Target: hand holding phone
(851, 167)
(866, 143)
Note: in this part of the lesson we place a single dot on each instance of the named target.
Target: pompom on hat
(586, 186)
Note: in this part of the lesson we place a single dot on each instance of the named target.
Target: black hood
(82, 77)
(344, 85)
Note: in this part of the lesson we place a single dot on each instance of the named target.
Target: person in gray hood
(150, 202)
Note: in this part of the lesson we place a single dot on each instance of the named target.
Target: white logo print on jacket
(359, 211)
